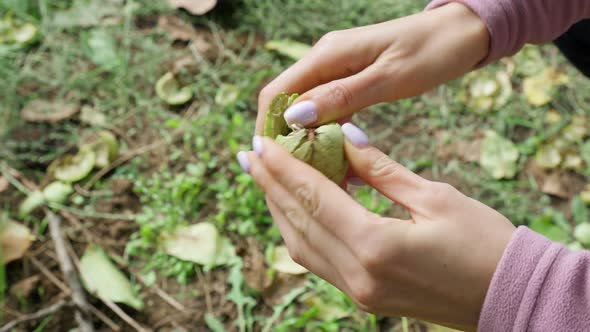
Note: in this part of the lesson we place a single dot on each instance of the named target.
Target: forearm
(512, 23)
(539, 285)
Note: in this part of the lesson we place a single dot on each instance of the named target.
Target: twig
(50, 275)
(138, 151)
(207, 289)
(34, 316)
(123, 315)
(82, 315)
(104, 318)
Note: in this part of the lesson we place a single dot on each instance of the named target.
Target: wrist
(464, 32)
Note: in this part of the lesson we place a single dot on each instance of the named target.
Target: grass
(194, 178)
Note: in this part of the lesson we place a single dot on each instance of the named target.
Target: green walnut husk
(321, 147)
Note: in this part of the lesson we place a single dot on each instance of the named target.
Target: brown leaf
(3, 184)
(448, 148)
(195, 7)
(25, 287)
(553, 185)
(177, 28)
(41, 110)
(15, 239)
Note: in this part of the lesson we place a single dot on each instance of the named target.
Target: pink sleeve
(512, 23)
(539, 285)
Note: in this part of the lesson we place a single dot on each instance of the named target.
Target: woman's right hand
(352, 69)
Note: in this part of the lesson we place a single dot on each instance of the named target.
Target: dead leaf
(15, 239)
(281, 285)
(92, 116)
(539, 89)
(553, 185)
(3, 184)
(195, 7)
(41, 110)
(254, 269)
(282, 262)
(176, 28)
(25, 287)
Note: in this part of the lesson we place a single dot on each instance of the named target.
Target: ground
(176, 166)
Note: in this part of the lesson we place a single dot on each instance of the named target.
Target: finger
(379, 171)
(340, 98)
(320, 198)
(303, 253)
(301, 225)
(331, 58)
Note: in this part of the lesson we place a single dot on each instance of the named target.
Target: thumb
(379, 171)
(337, 99)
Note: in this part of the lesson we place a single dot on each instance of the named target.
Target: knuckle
(366, 294)
(309, 199)
(329, 38)
(298, 220)
(384, 167)
(296, 255)
(340, 95)
(439, 193)
(265, 95)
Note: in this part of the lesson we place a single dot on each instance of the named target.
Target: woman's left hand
(435, 266)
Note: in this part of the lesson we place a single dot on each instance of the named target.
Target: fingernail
(243, 161)
(356, 181)
(303, 113)
(355, 135)
(257, 145)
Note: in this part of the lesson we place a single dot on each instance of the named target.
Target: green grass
(194, 177)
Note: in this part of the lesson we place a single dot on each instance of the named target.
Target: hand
(436, 266)
(351, 69)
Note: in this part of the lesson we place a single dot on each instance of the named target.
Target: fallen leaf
(104, 280)
(15, 239)
(199, 243)
(105, 147)
(226, 95)
(100, 46)
(327, 311)
(85, 14)
(582, 233)
(34, 200)
(24, 34)
(548, 156)
(24, 288)
(195, 7)
(57, 192)
(3, 184)
(73, 168)
(176, 28)
(289, 48)
(484, 92)
(539, 89)
(283, 262)
(499, 156)
(168, 89)
(41, 110)
(553, 185)
(93, 117)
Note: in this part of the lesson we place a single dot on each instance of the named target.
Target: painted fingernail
(355, 135)
(257, 145)
(303, 113)
(356, 181)
(243, 161)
